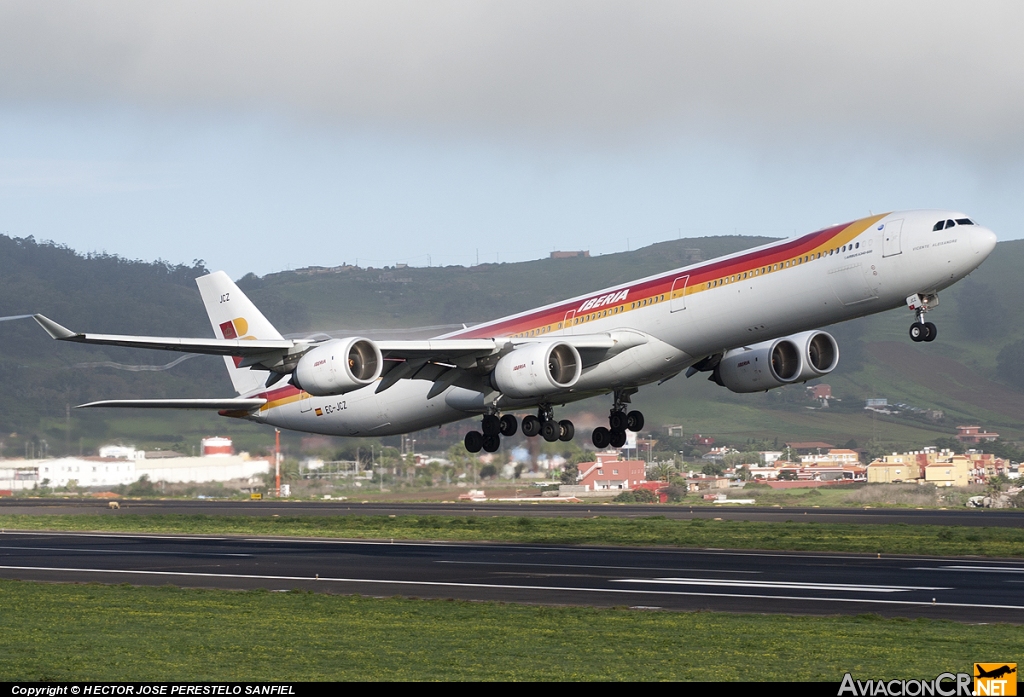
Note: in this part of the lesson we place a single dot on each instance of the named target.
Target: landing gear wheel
(602, 437)
(618, 439)
(930, 331)
(917, 331)
(550, 431)
(509, 426)
(634, 421)
(617, 421)
(491, 425)
(474, 441)
(492, 443)
(531, 426)
(567, 430)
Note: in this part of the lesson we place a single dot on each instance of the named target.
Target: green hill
(973, 372)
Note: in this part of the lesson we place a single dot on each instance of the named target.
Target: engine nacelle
(535, 370)
(769, 364)
(819, 354)
(338, 366)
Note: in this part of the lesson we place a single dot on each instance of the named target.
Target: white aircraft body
(748, 318)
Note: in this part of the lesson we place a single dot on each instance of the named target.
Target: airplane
(748, 319)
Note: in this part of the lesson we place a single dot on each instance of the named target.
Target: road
(735, 581)
(969, 517)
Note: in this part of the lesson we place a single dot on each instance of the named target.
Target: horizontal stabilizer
(231, 404)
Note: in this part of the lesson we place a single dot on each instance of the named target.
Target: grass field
(796, 536)
(91, 632)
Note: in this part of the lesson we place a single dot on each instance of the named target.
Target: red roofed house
(611, 473)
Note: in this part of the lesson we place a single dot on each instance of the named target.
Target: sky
(265, 136)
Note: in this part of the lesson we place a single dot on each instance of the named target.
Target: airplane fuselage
(667, 322)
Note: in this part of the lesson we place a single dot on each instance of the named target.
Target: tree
(645, 496)
(570, 473)
(676, 492)
(713, 469)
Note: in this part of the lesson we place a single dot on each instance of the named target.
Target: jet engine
(535, 370)
(338, 366)
(769, 364)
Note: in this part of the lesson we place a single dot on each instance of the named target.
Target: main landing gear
(920, 304)
(492, 428)
(619, 421)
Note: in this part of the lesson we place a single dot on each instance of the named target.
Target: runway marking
(128, 551)
(791, 585)
(984, 569)
(502, 586)
(586, 566)
(495, 546)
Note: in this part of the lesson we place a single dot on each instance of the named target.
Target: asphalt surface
(969, 517)
(966, 590)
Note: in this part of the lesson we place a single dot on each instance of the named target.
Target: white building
(21, 475)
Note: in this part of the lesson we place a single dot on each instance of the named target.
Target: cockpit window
(949, 224)
(964, 221)
(939, 225)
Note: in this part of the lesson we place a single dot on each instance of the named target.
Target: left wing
(216, 347)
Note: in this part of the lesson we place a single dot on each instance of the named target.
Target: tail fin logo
(236, 329)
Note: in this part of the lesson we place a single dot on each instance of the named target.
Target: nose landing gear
(920, 304)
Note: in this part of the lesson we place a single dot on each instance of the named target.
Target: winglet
(55, 330)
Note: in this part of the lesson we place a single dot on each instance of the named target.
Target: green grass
(92, 632)
(832, 537)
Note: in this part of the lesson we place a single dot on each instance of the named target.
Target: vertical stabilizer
(233, 316)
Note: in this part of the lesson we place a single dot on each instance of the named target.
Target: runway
(869, 516)
(735, 581)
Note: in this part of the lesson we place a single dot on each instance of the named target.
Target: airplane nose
(983, 241)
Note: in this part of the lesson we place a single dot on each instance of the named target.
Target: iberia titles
(603, 300)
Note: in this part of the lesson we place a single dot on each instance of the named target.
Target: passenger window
(949, 224)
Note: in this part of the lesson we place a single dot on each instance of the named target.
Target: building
(940, 467)
(972, 435)
(582, 254)
(834, 456)
(20, 475)
(956, 472)
(810, 447)
(609, 472)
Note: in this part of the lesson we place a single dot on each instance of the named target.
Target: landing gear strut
(619, 421)
(920, 304)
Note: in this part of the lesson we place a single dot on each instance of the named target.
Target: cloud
(942, 75)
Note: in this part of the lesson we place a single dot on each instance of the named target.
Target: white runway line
(126, 551)
(983, 569)
(790, 585)
(588, 566)
(499, 586)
